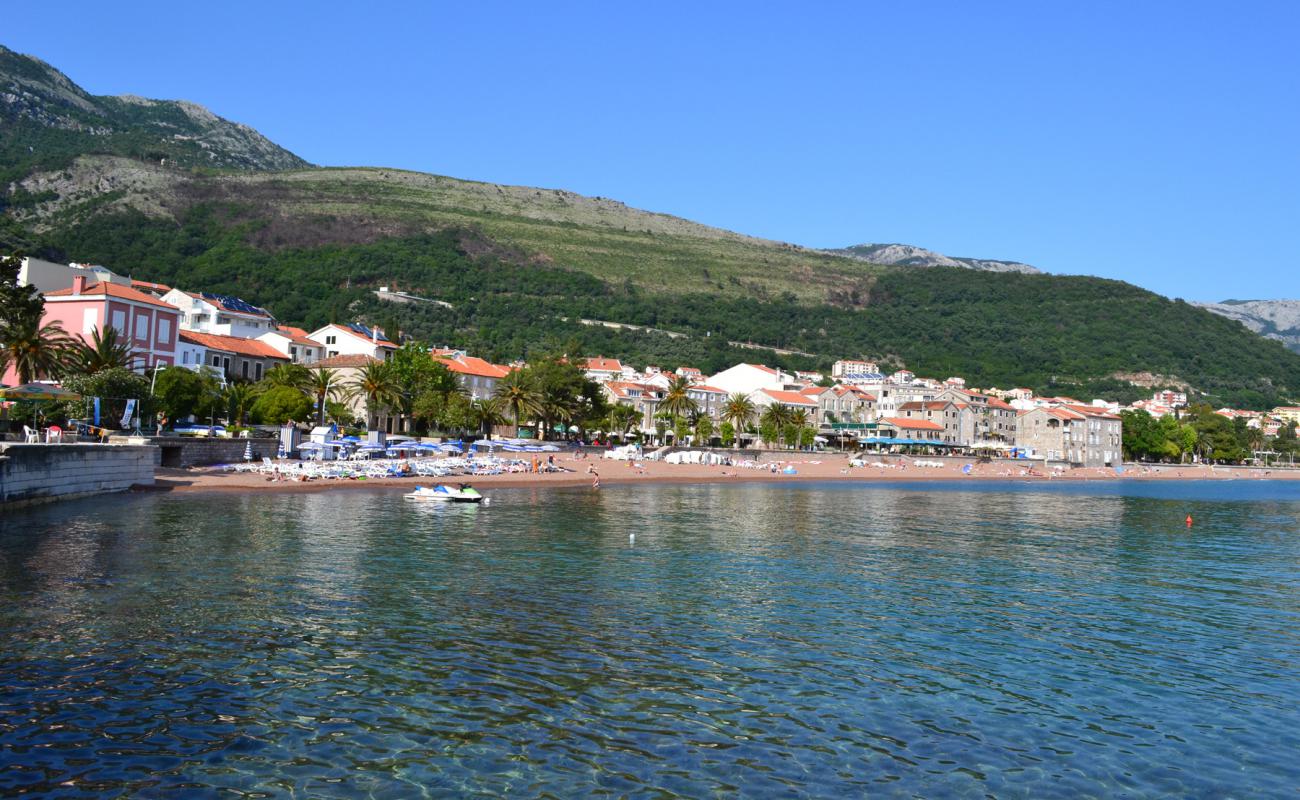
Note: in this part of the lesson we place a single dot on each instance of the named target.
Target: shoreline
(619, 473)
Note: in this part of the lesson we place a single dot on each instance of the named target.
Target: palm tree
(622, 418)
(777, 417)
(239, 398)
(676, 401)
(34, 350)
(104, 351)
(378, 385)
(739, 411)
(323, 384)
(486, 414)
(558, 405)
(518, 395)
(294, 376)
(799, 420)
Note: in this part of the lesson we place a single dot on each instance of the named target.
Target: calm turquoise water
(756, 640)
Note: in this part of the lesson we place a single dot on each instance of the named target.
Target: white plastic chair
(31, 436)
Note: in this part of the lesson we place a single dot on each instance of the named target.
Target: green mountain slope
(521, 266)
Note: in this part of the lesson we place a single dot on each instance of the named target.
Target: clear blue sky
(1157, 142)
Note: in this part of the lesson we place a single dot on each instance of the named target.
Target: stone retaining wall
(33, 473)
(193, 451)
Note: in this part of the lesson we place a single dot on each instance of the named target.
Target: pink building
(146, 323)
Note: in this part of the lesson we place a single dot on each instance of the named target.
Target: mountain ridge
(1272, 319)
(519, 264)
(906, 255)
(48, 118)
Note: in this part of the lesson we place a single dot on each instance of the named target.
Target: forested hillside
(130, 184)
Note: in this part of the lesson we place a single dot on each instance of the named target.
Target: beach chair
(53, 434)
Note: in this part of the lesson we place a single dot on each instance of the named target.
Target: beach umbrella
(248, 452)
(37, 391)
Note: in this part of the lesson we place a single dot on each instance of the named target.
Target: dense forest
(1070, 335)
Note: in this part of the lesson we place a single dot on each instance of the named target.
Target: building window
(329, 340)
(244, 371)
(164, 330)
(257, 371)
(119, 322)
(142, 327)
(216, 360)
(89, 319)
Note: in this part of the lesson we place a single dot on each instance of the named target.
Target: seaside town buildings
(239, 341)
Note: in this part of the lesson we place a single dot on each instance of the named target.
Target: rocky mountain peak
(906, 255)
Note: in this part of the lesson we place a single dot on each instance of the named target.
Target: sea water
(940, 640)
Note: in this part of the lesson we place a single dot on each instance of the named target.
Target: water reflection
(752, 639)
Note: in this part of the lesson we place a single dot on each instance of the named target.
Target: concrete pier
(35, 473)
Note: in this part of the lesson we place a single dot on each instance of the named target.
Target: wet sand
(830, 467)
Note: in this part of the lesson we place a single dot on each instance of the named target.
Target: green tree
(621, 418)
(377, 384)
(18, 304)
(677, 401)
(294, 376)
(681, 429)
(34, 350)
(181, 393)
(703, 430)
(728, 434)
(279, 404)
(105, 350)
(519, 396)
(775, 419)
(240, 397)
(486, 415)
(114, 387)
(324, 385)
(739, 411)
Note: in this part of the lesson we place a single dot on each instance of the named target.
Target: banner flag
(130, 412)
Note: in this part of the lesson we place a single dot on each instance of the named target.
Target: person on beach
(595, 479)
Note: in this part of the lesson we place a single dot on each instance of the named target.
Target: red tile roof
(704, 387)
(788, 398)
(602, 364)
(157, 287)
(338, 362)
(297, 336)
(914, 424)
(233, 344)
(469, 365)
(114, 290)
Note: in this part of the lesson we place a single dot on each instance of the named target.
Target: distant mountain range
(166, 191)
(906, 255)
(1274, 319)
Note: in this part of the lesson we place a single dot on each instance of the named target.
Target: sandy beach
(808, 467)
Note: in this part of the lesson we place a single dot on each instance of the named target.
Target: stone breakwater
(34, 473)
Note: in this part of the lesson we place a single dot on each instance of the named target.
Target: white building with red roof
(293, 343)
(917, 430)
(603, 369)
(749, 378)
(233, 356)
(479, 377)
(352, 339)
(762, 398)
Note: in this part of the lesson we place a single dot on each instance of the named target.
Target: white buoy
(631, 537)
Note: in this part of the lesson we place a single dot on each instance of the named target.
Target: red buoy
(1189, 520)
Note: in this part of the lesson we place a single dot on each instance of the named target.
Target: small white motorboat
(448, 494)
